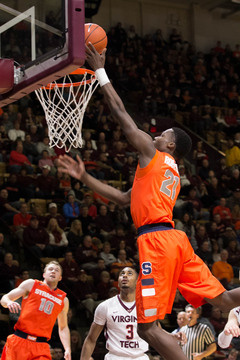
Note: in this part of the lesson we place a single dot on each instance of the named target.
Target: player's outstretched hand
(67, 354)
(14, 307)
(181, 337)
(68, 165)
(232, 329)
(94, 59)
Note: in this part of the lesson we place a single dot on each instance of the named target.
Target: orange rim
(79, 71)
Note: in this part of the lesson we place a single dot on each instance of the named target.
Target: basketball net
(64, 105)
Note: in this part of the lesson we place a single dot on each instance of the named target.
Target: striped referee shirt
(199, 337)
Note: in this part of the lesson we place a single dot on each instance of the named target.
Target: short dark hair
(183, 142)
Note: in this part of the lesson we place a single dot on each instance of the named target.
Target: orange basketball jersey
(40, 310)
(155, 191)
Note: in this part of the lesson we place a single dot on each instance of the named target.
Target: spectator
(76, 344)
(71, 209)
(201, 235)
(217, 320)
(30, 150)
(16, 133)
(83, 289)
(106, 254)
(223, 211)
(204, 169)
(36, 239)
(7, 211)
(234, 256)
(232, 154)
(186, 225)
(88, 201)
(204, 253)
(88, 225)
(37, 211)
(70, 270)
(104, 224)
(228, 235)
(86, 255)
(223, 270)
(44, 145)
(57, 238)
(17, 159)
(14, 190)
(234, 181)
(4, 247)
(104, 285)
(9, 273)
(96, 272)
(26, 184)
(182, 320)
(21, 220)
(54, 214)
(46, 160)
(45, 184)
(216, 255)
(121, 262)
(74, 235)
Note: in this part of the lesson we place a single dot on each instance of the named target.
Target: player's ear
(172, 146)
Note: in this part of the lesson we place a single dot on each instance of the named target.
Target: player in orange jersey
(167, 260)
(42, 304)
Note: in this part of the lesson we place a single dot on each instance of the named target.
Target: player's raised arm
(77, 170)
(90, 341)
(139, 139)
(8, 300)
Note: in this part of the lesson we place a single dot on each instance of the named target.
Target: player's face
(161, 142)
(127, 279)
(52, 273)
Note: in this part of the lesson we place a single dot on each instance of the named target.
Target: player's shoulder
(109, 302)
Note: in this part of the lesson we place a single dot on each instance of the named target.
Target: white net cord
(64, 106)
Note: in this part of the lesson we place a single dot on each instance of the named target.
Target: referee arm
(207, 352)
(90, 341)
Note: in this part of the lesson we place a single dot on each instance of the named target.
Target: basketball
(96, 35)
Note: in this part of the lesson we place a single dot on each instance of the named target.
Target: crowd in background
(92, 237)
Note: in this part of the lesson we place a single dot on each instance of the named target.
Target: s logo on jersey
(146, 268)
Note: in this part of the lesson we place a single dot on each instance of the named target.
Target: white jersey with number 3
(122, 339)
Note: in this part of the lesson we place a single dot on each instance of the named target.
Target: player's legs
(17, 348)
(160, 260)
(227, 300)
(164, 343)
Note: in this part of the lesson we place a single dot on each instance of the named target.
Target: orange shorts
(17, 348)
(167, 262)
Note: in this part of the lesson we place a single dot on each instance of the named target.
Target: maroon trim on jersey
(124, 306)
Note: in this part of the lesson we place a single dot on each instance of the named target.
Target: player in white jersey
(118, 316)
(231, 328)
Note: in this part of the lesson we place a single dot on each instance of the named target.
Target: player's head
(127, 278)
(174, 141)
(52, 272)
(183, 142)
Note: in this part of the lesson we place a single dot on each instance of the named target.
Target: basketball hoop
(64, 105)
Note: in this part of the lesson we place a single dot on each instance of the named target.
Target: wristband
(102, 77)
